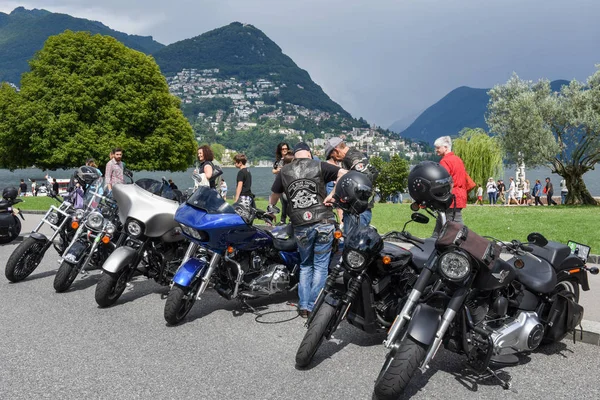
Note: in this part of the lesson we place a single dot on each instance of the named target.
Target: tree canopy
(558, 129)
(393, 176)
(86, 94)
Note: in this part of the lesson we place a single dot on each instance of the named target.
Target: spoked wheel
(315, 335)
(399, 367)
(65, 276)
(111, 286)
(179, 303)
(25, 259)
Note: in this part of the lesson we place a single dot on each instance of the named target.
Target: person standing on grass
(491, 190)
(549, 192)
(479, 195)
(223, 189)
(22, 188)
(563, 191)
(510, 194)
(243, 188)
(501, 189)
(526, 193)
(283, 150)
(456, 168)
(537, 191)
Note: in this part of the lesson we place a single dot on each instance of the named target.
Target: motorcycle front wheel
(25, 259)
(315, 335)
(65, 276)
(177, 305)
(399, 367)
(111, 286)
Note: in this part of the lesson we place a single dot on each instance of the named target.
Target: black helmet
(430, 184)
(10, 193)
(353, 192)
(87, 175)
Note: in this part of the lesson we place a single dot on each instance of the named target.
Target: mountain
(464, 107)
(23, 32)
(244, 52)
(404, 122)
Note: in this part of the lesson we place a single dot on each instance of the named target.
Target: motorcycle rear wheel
(399, 367)
(111, 286)
(177, 306)
(570, 285)
(65, 276)
(15, 232)
(315, 335)
(25, 259)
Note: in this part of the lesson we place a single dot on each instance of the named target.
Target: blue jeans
(314, 246)
(563, 197)
(350, 220)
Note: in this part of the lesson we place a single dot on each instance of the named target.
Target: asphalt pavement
(63, 346)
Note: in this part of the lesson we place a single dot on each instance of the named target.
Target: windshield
(94, 191)
(158, 188)
(208, 199)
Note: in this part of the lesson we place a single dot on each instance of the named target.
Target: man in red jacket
(456, 168)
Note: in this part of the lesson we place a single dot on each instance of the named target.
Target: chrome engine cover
(274, 279)
(523, 333)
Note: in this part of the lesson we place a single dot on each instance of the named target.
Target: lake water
(262, 178)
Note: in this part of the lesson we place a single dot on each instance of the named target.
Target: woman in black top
(205, 165)
(282, 150)
(243, 188)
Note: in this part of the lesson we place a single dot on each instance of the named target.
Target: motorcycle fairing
(187, 271)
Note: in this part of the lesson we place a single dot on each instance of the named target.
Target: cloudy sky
(382, 59)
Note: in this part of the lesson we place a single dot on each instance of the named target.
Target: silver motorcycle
(151, 237)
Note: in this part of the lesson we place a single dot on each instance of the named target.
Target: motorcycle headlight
(454, 266)
(53, 218)
(354, 260)
(79, 213)
(95, 220)
(200, 235)
(134, 228)
(110, 228)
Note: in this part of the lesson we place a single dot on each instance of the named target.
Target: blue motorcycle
(242, 261)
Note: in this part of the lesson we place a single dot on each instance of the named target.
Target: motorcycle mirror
(414, 206)
(594, 270)
(537, 238)
(419, 218)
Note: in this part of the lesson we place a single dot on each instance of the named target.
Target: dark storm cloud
(382, 60)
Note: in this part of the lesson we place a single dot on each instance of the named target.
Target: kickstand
(247, 307)
(505, 384)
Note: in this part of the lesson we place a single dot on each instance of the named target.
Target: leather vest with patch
(305, 190)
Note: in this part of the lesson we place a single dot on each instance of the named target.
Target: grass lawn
(559, 223)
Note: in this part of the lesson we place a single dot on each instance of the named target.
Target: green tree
(86, 94)
(393, 176)
(481, 153)
(218, 151)
(541, 127)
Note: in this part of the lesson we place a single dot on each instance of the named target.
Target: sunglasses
(284, 148)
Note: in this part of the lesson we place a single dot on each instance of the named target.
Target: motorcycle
(29, 253)
(150, 235)
(484, 307)
(377, 276)
(97, 235)
(241, 260)
(10, 226)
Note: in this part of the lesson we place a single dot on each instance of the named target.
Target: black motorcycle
(29, 253)
(10, 226)
(481, 306)
(377, 276)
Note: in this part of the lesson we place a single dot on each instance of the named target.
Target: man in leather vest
(303, 181)
(352, 159)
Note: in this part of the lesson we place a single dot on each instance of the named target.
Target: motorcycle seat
(554, 252)
(538, 276)
(283, 237)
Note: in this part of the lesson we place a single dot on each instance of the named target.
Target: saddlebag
(480, 248)
(564, 317)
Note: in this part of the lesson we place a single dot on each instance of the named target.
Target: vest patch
(303, 194)
(307, 216)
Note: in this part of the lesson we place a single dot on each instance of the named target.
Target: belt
(328, 221)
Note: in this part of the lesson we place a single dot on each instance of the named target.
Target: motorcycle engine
(273, 279)
(515, 335)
